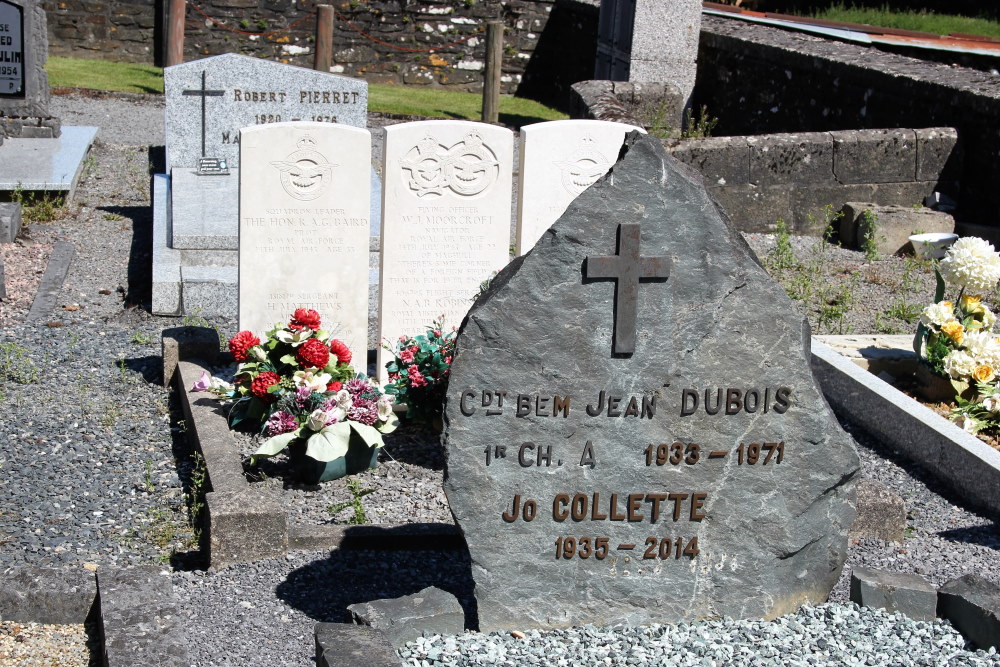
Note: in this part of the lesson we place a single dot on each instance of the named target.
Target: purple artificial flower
(281, 422)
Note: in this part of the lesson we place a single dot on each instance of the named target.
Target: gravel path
(95, 468)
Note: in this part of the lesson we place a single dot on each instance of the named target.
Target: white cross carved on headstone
(627, 268)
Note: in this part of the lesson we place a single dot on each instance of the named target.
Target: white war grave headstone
(304, 206)
(559, 159)
(445, 221)
(633, 431)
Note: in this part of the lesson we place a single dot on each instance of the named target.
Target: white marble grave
(560, 159)
(446, 213)
(304, 204)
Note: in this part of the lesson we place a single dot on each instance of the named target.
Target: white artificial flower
(317, 420)
(989, 319)
(983, 347)
(343, 399)
(258, 353)
(384, 407)
(293, 338)
(938, 314)
(991, 403)
(967, 424)
(311, 379)
(337, 414)
(973, 264)
(959, 364)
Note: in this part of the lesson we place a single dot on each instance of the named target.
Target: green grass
(923, 21)
(402, 100)
(104, 75)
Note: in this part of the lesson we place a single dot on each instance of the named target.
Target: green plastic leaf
(939, 289)
(369, 434)
(239, 412)
(288, 359)
(330, 443)
(275, 445)
(389, 426)
(918, 340)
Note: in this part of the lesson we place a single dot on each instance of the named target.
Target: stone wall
(796, 178)
(548, 44)
(759, 79)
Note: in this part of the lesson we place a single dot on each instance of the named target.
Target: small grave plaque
(634, 434)
(11, 50)
(212, 166)
(304, 227)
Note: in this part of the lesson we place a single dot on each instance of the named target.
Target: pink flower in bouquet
(416, 379)
(281, 422)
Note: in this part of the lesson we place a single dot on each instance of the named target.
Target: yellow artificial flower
(954, 331)
(971, 303)
(983, 373)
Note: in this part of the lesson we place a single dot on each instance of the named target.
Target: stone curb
(133, 609)
(955, 458)
(52, 281)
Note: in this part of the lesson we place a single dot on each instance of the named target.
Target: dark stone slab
(881, 513)
(939, 155)
(972, 604)
(48, 287)
(187, 343)
(909, 594)
(532, 476)
(139, 621)
(720, 160)
(874, 156)
(10, 221)
(47, 595)
(402, 620)
(339, 645)
(803, 158)
(244, 526)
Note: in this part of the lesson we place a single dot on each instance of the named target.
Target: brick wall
(548, 44)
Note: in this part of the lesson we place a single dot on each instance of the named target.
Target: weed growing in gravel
(16, 365)
(147, 478)
(110, 415)
(834, 303)
(38, 210)
(781, 256)
(141, 338)
(903, 310)
(869, 242)
(195, 498)
(359, 518)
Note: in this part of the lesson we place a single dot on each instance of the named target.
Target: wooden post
(324, 38)
(494, 62)
(175, 33)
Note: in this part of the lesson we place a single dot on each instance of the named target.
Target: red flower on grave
(334, 386)
(260, 385)
(313, 354)
(304, 318)
(339, 348)
(240, 343)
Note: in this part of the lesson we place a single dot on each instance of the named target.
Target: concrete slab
(210, 291)
(52, 281)
(166, 260)
(46, 164)
(205, 210)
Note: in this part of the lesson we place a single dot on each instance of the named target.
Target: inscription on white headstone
(559, 160)
(304, 205)
(445, 222)
(11, 50)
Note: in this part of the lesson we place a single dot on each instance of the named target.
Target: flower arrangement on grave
(955, 338)
(298, 387)
(418, 372)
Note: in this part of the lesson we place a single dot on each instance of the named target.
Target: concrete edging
(959, 460)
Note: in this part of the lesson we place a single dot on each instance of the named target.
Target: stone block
(720, 160)
(10, 221)
(244, 526)
(939, 155)
(139, 621)
(890, 226)
(48, 595)
(803, 159)
(340, 644)
(52, 280)
(187, 343)
(908, 594)
(204, 210)
(752, 208)
(874, 156)
(166, 260)
(210, 291)
(808, 203)
(881, 513)
(402, 620)
(972, 604)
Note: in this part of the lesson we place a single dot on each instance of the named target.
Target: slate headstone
(24, 84)
(210, 100)
(304, 227)
(633, 431)
(445, 221)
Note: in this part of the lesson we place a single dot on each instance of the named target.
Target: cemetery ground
(97, 471)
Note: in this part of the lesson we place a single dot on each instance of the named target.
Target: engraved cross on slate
(628, 268)
(205, 94)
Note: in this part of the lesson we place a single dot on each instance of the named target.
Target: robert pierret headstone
(633, 430)
(304, 227)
